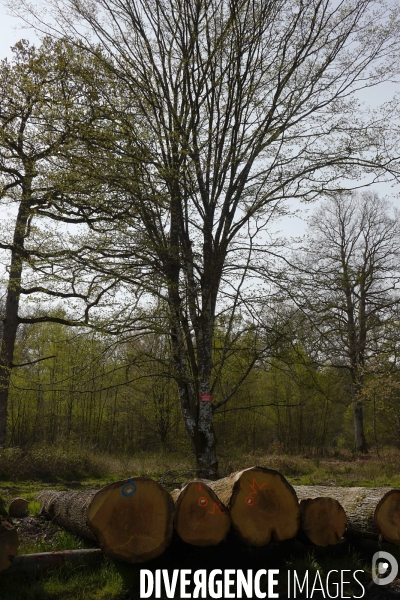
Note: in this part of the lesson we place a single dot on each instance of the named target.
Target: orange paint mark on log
(199, 487)
(256, 484)
(250, 500)
(203, 502)
(215, 507)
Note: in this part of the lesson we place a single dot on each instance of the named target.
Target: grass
(87, 468)
(337, 470)
(24, 473)
(103, 580)
(63, 540)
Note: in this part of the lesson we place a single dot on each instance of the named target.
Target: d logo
(383, 562)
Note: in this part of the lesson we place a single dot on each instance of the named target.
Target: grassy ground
(52, 467)
(25, 473)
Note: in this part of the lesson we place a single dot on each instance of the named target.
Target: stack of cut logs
(133, 520)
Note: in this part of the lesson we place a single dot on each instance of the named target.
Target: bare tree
(346, 283)
(223, 109)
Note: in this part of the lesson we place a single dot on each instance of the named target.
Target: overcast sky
(11, 30)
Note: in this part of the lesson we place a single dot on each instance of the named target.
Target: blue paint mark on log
(129, 489)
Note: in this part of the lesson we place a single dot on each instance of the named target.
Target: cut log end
(387, 516)
(18, 508)
(200, 517)
(264, 507)
(132, 519)
(8, 544)
(323, 520)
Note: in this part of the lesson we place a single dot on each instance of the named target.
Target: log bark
(8, 543)
(200, 517)
(263, 506)
(68, 509)
(33, 564)
(359, 504)
(18, 508)
(323, 521)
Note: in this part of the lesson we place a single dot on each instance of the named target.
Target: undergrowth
(87, 467)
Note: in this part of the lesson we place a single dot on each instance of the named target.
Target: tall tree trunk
(192, 376)
(206, 455)
(207, 464)
(360, 442)
(198, 419)
(197, 413)
(11, 315)
(356, 348)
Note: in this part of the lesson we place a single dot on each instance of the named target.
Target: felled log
(322, 520)
(131, 520)
(387, 516)
(33, 564)
(263, 506)
(18, 508)
(8, 543)
(68, 509)
(200, 517)
(359, 504)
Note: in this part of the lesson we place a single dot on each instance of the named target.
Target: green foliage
(293, 406)
(34, 508)
(91, 393)
(118, 397)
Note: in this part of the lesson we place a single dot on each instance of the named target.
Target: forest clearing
(96, 577)
(188, 382)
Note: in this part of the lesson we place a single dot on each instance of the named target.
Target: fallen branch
(32, 564)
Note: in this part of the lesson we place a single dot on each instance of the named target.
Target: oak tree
(223, 109)
(41, 114)
(345, 282)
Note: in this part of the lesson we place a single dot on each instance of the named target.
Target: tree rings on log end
(387, 516)
(200, 517)
(18, 508)
(323, 520)
(132, 519)
(264, 507)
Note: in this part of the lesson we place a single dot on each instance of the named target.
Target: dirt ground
(33, 531)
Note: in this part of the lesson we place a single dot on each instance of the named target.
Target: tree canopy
(219, 111)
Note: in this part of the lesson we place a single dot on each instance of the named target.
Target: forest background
(305, 333)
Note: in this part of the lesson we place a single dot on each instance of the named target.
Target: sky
(12, 30)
